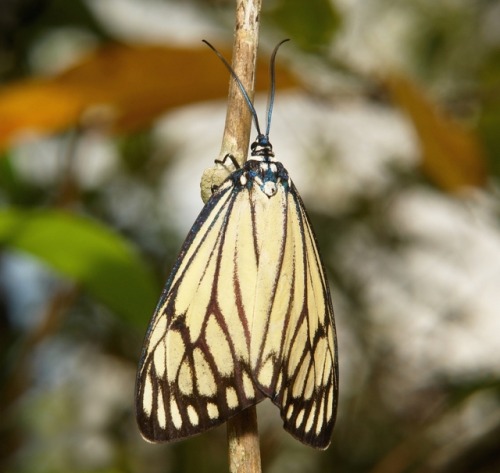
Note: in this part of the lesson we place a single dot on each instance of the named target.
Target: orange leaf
(136, 83)
(452, 156)
(36, 104)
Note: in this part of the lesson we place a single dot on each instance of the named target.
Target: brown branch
(243, 442)
(238, 117)
(242, 433)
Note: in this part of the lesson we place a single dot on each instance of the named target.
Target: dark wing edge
(305, 385)
(197, 395)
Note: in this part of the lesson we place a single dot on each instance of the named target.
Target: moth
(246, 313)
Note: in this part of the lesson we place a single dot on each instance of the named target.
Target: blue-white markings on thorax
(267, 173)
(262, 169)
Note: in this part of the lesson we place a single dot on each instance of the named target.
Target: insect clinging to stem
(246, 313)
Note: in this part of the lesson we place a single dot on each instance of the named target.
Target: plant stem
(238, 124)
(242, 432)
(238, 117)
(243, 442)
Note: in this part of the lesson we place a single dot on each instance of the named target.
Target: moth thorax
(269, 188)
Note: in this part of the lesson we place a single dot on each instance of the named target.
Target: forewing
(295, 356)
(194, 372)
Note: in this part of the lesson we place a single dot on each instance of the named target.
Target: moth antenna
(270, 100)
(240, 85)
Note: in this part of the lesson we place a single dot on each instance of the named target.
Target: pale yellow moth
(245, 314)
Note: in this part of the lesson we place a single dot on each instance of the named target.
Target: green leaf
(311, 24)
(88, 253)
(489, 109)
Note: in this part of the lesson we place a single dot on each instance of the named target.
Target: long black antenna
(245, 93)
(270, 100)
(240, 85)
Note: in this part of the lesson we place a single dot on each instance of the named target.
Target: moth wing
(294, 355)
(194, 372)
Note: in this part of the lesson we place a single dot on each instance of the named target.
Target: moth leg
(229, 157)
(223, 161)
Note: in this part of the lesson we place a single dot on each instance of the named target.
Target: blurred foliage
(87, 253)
(312, 25)
(452, 155)
(489, 117)
(127, 86)
(83, 259)
(24, 22)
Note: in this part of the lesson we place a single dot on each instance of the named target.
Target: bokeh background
(388, 118)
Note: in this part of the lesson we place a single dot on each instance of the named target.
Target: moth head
(261, 146)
